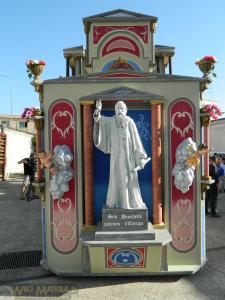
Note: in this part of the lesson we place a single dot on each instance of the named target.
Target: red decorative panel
(134, 257)
(121, 44)
(63, 213)
(100, 31)
(182, 208)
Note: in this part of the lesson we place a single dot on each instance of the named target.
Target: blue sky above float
(41, 30)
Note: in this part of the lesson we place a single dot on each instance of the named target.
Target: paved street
(20, 230)
(20, 221)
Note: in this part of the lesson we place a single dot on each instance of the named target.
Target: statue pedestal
(148, 234)
(125, 243)
(120, 219)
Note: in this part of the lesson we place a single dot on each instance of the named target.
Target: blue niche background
(142, 119)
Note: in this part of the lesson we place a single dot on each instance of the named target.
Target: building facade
(15, 122)
(216, 134)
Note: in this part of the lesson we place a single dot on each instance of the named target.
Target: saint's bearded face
(121, 109)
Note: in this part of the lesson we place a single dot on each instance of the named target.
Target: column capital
(156, 101)
(86, 102)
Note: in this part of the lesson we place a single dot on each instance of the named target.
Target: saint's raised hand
(99, 105)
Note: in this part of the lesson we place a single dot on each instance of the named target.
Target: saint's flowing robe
(124, 145)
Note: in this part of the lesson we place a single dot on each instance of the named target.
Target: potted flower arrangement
(210, 111)
(206, 65)
(33, 113)
(30, 112)
(35, 68)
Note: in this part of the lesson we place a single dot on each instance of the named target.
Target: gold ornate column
(156, 124)
(88, 162)
(38, 122)
(37, 83)
(152, 42)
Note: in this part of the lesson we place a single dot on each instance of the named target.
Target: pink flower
(29, 112)
(212, 110)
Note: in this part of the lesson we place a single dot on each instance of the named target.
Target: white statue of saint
(119, 137)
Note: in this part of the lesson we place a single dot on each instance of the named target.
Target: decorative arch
(121, 44)
(109, 65)
(129, 36)
(141, 31)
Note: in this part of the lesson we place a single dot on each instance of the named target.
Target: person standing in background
(219, 168)
(212, 192)
(29, 165)
(223, 164)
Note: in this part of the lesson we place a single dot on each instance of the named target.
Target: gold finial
(87, 27)
(153, 26)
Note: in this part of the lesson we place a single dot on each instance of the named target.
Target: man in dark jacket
(211, 193)
(30, 166)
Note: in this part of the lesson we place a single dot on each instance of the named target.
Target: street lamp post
(11, 97)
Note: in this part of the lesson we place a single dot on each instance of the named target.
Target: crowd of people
(217, 173)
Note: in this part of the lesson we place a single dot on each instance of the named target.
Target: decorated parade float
(119, 142)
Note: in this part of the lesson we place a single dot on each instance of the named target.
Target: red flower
(212, 59)
(42, 62)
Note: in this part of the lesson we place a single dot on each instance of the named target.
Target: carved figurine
(119, 137)
(45, 159)
(193, 160)
(187, 158)
(61, 171)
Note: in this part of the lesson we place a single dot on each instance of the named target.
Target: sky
(42, 29)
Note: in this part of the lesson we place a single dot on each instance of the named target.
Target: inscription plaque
(118, 219)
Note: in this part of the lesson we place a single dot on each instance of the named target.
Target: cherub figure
(45, 159)
(193, 160)
(187, 159)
